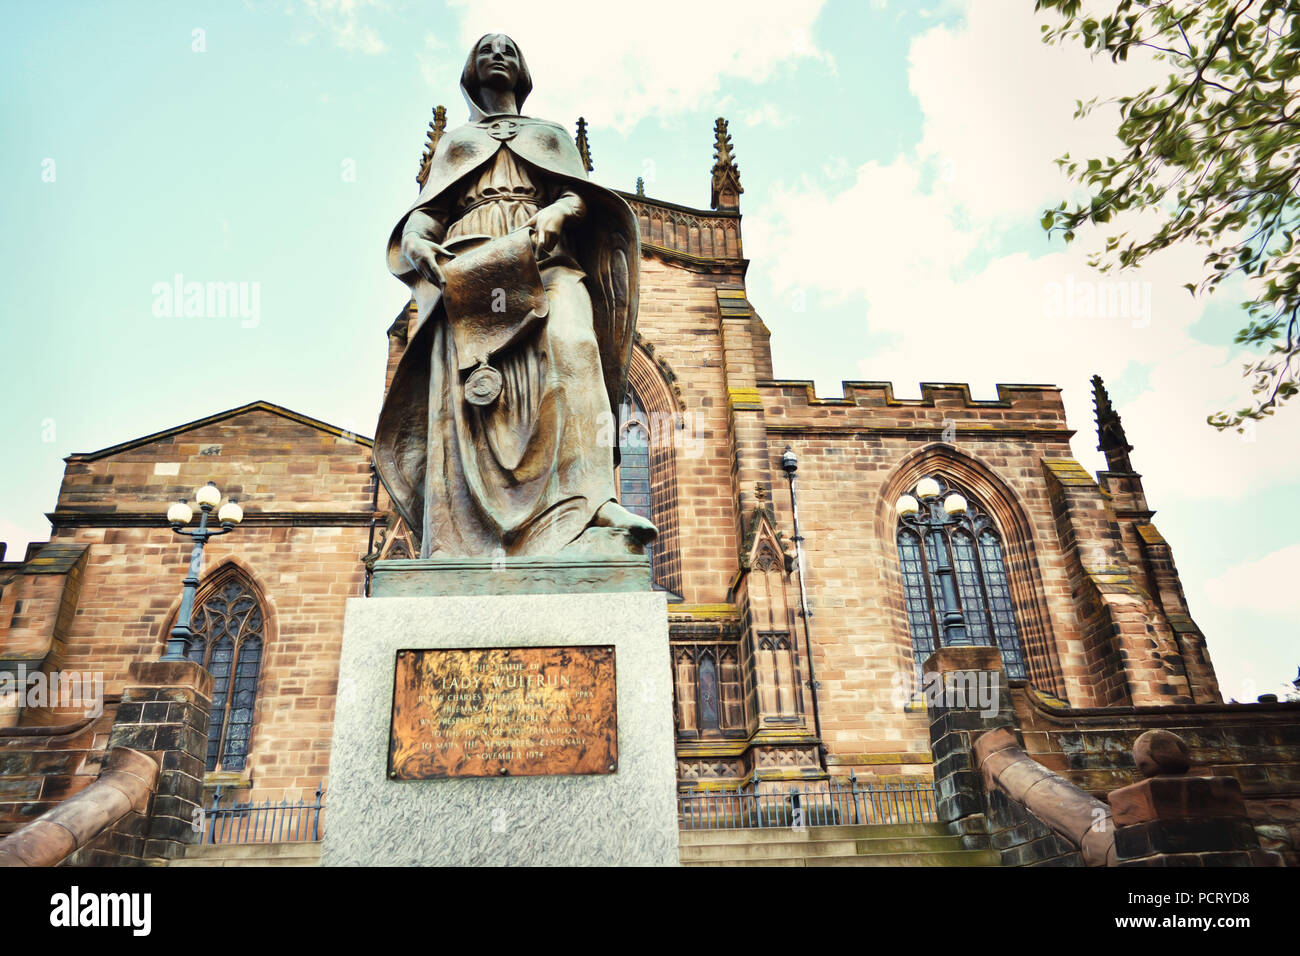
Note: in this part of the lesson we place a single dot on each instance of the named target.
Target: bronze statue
(499, 432)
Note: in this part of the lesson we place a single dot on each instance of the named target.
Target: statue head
(495, 62)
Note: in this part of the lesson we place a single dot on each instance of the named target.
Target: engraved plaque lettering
(491, 712)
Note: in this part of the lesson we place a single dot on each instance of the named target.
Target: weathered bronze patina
(523, 711)
(499, 433)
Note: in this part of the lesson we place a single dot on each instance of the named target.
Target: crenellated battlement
(1035, 409)
(933, 394)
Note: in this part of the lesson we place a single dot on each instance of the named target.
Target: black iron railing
(265, 822)
(828, 803)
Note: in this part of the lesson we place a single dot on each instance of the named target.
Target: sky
(896, 158)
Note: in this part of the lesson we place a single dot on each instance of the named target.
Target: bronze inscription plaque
(491, 712)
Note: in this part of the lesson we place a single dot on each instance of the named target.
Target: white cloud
(910, 246)
(342, 21)
(1265, 586)
(765, 115)
(857, 242)
(999, 107)
(434, 62)
(676, 54)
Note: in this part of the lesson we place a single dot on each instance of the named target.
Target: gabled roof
(220, 417)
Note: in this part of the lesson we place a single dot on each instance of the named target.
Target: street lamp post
(790, 464)
(922, 515)
(179, 515)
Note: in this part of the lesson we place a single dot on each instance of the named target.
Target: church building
(816, 552)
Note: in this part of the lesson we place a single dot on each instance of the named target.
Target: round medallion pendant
(503, 129)
(483, 385)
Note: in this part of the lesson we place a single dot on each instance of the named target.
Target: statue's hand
(547, 224)
(422, 254)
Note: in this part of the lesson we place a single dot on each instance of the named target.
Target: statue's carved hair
(469, 76)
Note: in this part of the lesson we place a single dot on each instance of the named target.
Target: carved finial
(721, 144)
(584, 148)
(760, 492)
(726, 174)
(1110, 432)
(436, 129)
(640, 186)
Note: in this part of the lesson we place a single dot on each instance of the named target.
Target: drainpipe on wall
(791, 464)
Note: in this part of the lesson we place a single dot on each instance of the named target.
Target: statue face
(496, 62)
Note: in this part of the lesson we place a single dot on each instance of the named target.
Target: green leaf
(1211, 156)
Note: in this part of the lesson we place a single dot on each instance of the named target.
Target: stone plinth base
(625, 818)
(447, 577)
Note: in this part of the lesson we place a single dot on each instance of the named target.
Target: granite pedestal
(628, 817)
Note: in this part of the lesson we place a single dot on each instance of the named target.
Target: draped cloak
(526, 474)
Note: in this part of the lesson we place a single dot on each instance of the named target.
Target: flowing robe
(526, 474)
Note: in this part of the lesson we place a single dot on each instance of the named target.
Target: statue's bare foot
(614, 515)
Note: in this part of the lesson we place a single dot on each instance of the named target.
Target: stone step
(812, 834)
(773, 861)
(255, 854)
(250, 861)
(949, 858)
(941, 858)
(811, 848)
(768, 850)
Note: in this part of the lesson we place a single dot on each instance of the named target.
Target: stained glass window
(917, 597)
(708, 689)
(968, 582)
(972, 543)
(708, 693)
(634, 468)
(1001, 609)
(228, 628)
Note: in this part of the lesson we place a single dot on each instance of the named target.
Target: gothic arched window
(229, 634)
(971, 546)
(635, 480)
(709, 698)
(776, 678)
(634, 460)
(708, 691)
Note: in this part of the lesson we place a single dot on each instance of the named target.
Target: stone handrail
(1081, 819)
(126, 784)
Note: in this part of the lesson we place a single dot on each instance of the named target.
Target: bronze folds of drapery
(499, 431)
(494, 299)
